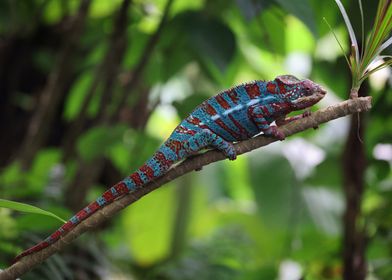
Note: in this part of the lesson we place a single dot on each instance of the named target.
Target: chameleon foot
(275, 132)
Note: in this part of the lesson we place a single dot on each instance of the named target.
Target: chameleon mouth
(321, 91)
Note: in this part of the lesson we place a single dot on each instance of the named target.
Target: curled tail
(155, 167)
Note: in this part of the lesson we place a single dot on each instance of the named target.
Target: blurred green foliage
(272, 213)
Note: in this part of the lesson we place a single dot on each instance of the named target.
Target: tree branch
(332, 112)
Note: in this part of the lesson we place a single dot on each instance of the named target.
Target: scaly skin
(233, 115)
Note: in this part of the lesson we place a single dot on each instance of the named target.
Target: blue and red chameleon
(233, 115)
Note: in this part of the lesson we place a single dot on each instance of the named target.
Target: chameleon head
(301, 93)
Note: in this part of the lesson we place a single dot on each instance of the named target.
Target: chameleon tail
(155, 167)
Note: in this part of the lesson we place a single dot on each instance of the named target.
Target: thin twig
(330, 113)
(137, 72)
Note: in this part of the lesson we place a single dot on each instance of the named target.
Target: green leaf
(22, 207)
(302, 9)
(326, 174)
(184, 107)
(269, 32)
(273, 192)
(76, 95)
(212, 41)
(98, 140)
(251, 9)
(149, 226)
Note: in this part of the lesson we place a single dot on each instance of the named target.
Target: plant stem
(354, 92)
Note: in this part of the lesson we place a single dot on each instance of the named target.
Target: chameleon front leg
(257, 113)
(206, 138)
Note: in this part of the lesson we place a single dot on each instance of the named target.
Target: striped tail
(155, 167)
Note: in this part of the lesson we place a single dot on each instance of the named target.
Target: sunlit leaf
(148, 225)
(385, 45)
(22, 207)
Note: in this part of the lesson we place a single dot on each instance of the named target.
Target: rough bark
(54, 90)
(194, 163)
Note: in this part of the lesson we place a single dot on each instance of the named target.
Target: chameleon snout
(321, 91)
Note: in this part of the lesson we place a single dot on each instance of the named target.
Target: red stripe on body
(265, 110)
(226, 128)
(222, 102)
(148, 171)
(67, 226)
(136, 178)
(239, 126)
(193, 120)
(209, 109)
(174, 145)
(56, 235)
(82, 214)
(108, 196)
(184, 130)
(35, 248)
(162, 160)
(252, 90)
(94, 207)
(196, 121)
(271, 87)
(233, 95)
(282, 88)
(121, 187)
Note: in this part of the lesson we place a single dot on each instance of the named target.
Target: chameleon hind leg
(206, 138)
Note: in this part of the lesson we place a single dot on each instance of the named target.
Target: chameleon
(233, 115)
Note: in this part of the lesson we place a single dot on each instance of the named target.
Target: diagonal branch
(330, 113)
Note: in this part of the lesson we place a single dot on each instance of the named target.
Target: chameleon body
(231, 116)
